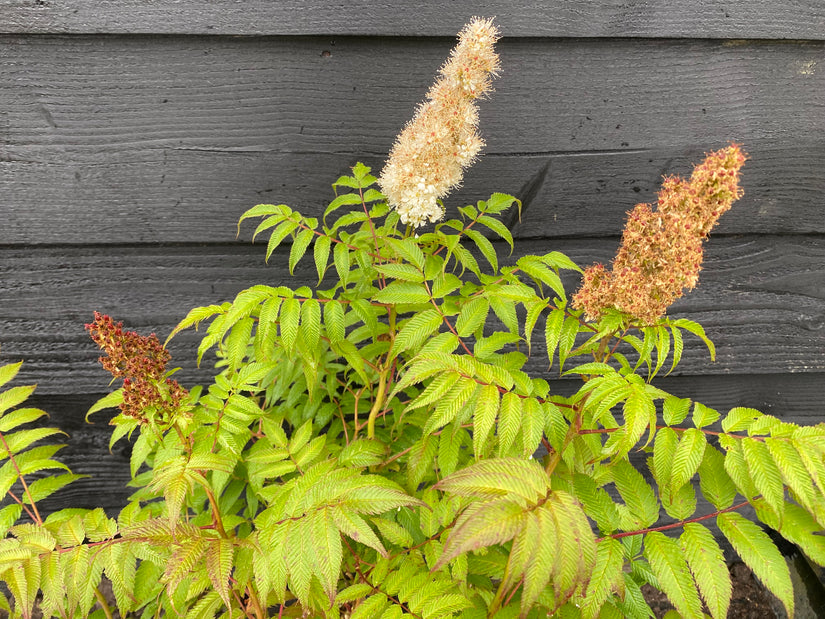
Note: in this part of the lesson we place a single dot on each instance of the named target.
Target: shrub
(375, 448)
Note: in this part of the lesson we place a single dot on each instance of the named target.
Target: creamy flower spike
(428, 157)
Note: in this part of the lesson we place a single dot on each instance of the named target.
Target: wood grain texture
(180, 196)
(795, 19)
(760, 298)
(172, 138)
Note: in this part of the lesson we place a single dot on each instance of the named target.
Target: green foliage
(368, 449)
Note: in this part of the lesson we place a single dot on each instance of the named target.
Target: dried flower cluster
(661, 252)
(428, 159)
(141, 362)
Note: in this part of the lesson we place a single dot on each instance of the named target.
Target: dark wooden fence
(133, 135)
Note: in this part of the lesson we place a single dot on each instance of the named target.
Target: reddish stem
(676, 525)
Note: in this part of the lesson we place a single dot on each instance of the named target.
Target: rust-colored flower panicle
(141, 362)
(661, 252)
(429, 156)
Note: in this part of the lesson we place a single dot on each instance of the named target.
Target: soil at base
(750, 600)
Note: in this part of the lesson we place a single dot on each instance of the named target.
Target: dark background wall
(133, 135)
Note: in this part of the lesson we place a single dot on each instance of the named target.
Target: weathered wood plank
(761, 300)
(102, 95)
(559, 18)
(173, 138)
(180, 196)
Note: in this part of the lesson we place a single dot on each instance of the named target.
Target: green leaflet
(196, 316)
(460, 395)
(505, 310)
(766, 476)
(596, 502)
(664, 448)
(675, 410)
(9, 371)
(574, 554)
(532, 426)
(606, 577)
(509, 423)
(400, 271)
(299, 554)
(219, 563)
(484, 416)
(321, 255)
(758, 551)
(409, 250)
(707, 564)
(362, 452)
(703, 415)
(328, 550)
(566, 339)
(498, 477)
(499, 202)
(278, 235)
(687, 457)
(14, 396)
(534, 310)
(486, 347)
(311, 323)
(552, 332)
(739, 419)
(498, 227)
(356, 528)
(636, 493)
(810, 453)
(299, 247)
(334, 321)
(290, 320)
(798, 526)
(473, 315)
(541, 274)
(715, 483)
(790, 463)
(484, 246)
(399, 292)
(483, 524)
(435, 390)
(277, 212)
(668, 563)
(416, 330)
(639, 415)
(662, 348)
(449, 450)
(697, 330)
(341, 259)
(558, 260)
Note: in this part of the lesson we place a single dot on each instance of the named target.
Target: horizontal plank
(103, 95)
(174, 137)
(184, 195)
(558, 18)
(761, 300)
